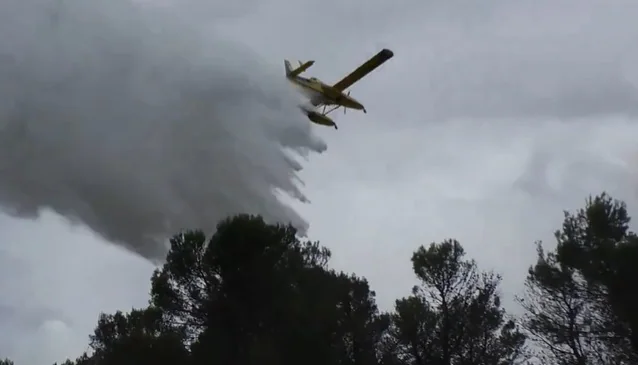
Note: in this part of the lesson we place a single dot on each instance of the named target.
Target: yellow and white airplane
(334, 96)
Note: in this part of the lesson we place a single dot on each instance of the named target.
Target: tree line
(255, 294)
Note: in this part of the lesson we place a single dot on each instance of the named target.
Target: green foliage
(579, 302)
(253, 293)
(139, 337)
(85, 359)
(455, 315)
(243, 296)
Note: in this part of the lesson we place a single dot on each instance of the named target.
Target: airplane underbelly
(314, 96)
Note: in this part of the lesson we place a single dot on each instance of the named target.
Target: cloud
(138, 121)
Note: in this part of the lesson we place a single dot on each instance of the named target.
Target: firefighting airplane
(322, 94)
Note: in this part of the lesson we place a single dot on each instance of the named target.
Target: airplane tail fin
(290, 72)
(288, 67)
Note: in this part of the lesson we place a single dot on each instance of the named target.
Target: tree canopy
(580, 299)
(254, 293)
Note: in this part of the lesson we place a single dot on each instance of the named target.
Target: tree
(558, 315)
(454, 316)
(139, 337)
(231, 295)
(360, 326)
(255, 294)
(596, 242)
(85, 359)
(579, 300)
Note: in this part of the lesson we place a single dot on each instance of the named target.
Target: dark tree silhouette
(255, 294)
(139, 337)
(455, 315)
(580, 299)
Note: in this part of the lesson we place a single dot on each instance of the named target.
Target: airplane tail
(288, 67)
(290, 72)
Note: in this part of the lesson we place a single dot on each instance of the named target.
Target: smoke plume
(137, 121)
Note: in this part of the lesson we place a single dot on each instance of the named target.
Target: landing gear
(324, 112)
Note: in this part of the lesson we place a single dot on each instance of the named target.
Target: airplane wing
(361, 71)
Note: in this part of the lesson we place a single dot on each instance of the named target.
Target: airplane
(334, 96)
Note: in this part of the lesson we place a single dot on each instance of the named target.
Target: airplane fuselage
(322, 93)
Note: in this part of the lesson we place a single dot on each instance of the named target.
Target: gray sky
(487, 123)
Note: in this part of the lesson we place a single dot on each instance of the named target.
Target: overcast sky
(487, 123)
